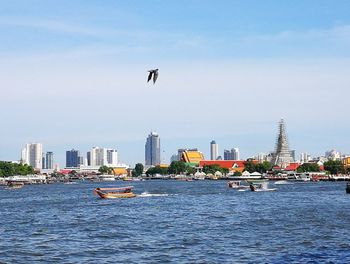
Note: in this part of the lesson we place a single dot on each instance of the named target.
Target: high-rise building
(282, 156)
(88, 158)
(98, 156)
(214, 150)
(112, 156)
(32, 155)
(152, 149)
(235, 154)
(81, 160)
(304, 157)
(102, 157)
(227, 155)
(72, 158)
(49, 161)
(43, 163)
(232, 154)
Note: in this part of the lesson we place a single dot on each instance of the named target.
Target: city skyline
(109, 157)
(90, 60)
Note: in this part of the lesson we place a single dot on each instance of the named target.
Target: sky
(73, 75)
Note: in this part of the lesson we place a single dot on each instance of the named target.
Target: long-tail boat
(113, 193)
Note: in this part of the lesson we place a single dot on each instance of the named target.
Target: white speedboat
(236, 185)
(296, 177)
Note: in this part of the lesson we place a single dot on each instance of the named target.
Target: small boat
(14, 185)
(113, 193)
(348, 187)
(236, 185)
(261, 187)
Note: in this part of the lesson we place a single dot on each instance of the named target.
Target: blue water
(176, 222)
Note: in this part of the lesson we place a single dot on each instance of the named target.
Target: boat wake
(146, 194)
(282, 182)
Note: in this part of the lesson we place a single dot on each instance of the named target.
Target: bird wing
(155, 76)
(149, 76)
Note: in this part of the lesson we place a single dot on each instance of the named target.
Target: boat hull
(115, 195)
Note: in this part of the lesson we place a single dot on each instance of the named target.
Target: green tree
(105, 169)
(10, 169)
(237, 173)
(214, 168)
(177, 167)
(308, 167)
(249, 166)
(334, 166)
(157, 170)
(190, 170)
(138, 170)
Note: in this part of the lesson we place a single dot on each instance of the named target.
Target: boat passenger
(252, 187)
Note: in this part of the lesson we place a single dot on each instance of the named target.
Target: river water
(176, 222)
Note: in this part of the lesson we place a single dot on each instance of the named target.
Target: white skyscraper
(103, 156)
(32, 155)
(235, 153)
(214, 150)
(98, 156)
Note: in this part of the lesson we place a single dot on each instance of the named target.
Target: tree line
(11, 169)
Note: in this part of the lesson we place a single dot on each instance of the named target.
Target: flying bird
(153, 73)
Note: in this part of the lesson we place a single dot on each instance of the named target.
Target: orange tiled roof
(228, 164)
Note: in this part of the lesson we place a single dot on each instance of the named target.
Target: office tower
(232, 154)
(304, 157)
(72, 158)
(81, 160)
(282, 157)
(88, 158)
(43, 163)
(214, 150)
(49, 160)
(292, 153)
(98, 156)
(261, 157)
(112, 156)
(235, 154)
(32, 155)
(227, 155)
(152, 149)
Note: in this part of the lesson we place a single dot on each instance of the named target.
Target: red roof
(228, 164)
(292, 166)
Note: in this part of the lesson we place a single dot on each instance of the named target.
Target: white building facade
(103, 157)
(214, 150)
(32, 155)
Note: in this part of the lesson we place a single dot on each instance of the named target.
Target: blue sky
(72, 75)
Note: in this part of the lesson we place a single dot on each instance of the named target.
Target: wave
(147, 194)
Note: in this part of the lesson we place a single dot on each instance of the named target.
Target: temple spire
(282, 156)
